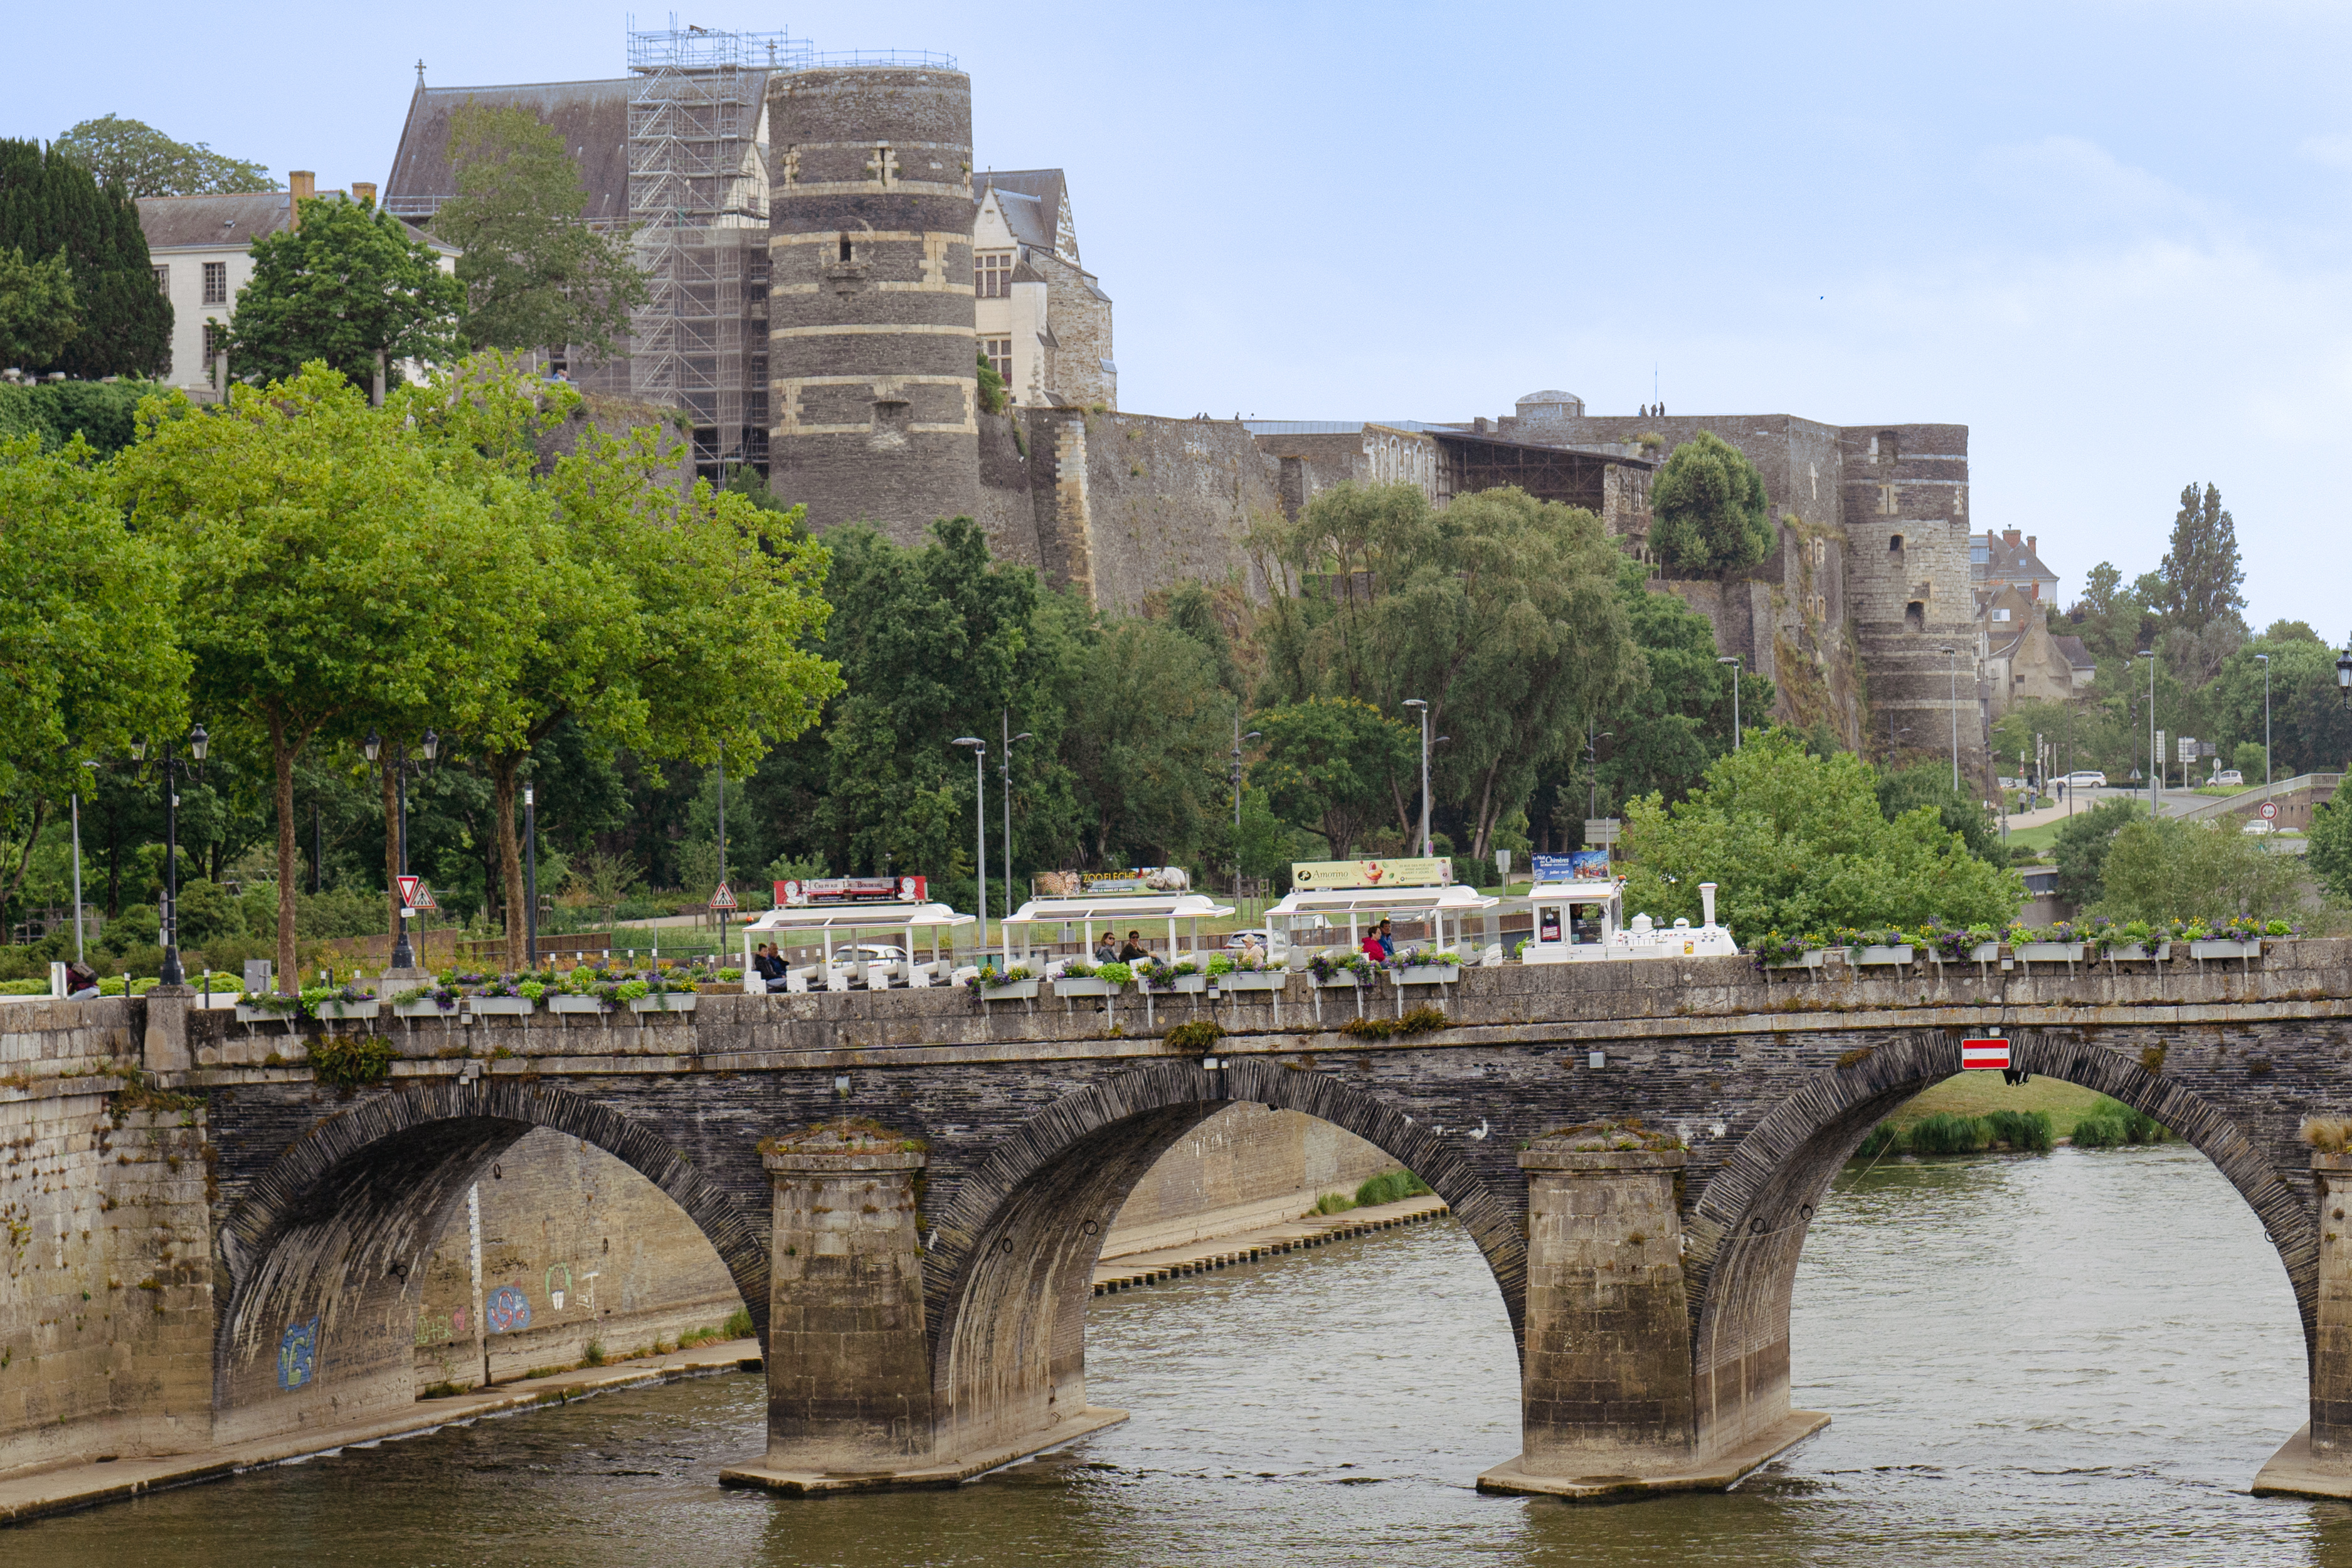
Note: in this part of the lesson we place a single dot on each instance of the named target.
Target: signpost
(415, 896)
(721, 897)
(2270, 811)
(1992, 1052)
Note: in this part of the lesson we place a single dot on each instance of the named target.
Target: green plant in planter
(1220, 963)
(1117, 974)
(1200, 1034)
(1078, 969)
(630, 990)
(996, 980)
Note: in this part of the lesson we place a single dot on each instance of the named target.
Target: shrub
(1885, 1138)
(2100, 1130)
(2027, 1131)
(737, 1325)
(594, 1354)
(1946, 1133)
(355, 1061)
(1200, 1034)
(1389, 1187)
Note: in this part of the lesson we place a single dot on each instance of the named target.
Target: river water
(2081, 1358)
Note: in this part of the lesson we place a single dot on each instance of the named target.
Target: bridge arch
(1010, 1251)
(319, 1264)
(1747, 1225)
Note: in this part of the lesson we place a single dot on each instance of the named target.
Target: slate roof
(592, 117)
(1031, 201)
(2007, 563)
(2075, 653)
(199, 222)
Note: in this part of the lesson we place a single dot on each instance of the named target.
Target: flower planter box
(367, 1009)
(576, 1004)
(499, 1006)
(1429, 974)
(1901, 955)
(1186, 984)
(1085, 986)
(2050, 952)
(246, 1015)
(2137, 952)
(424, 1007)
(1257, 980)
(1018, 991)
(1338, 977)
(2226, 949)
(668, 1002)
(1811, 959)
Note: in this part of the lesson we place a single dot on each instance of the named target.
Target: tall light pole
(2154, 762)
(402, 955)
(530, 872)
(2266, 718)
(1234, 776)
(1738, 669)
(1005, 764)
(77, 847)
(1952, 667)
(978, 749)
(173, 974)
(1423, 706)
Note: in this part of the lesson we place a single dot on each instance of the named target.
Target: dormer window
(2001, 614)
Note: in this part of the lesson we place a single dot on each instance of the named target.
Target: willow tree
(332, 567)
(1501, 612)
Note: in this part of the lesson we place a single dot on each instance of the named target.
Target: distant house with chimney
(201, 250)
(2022, 659)
(2005, 560)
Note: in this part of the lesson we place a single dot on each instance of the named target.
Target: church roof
(593, 118)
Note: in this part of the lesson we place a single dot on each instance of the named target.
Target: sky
(2113, 240)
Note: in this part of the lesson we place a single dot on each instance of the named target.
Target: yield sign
(1985, 1053)
(722, 897)
(409, 887)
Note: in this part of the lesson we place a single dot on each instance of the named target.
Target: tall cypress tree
(49, 203)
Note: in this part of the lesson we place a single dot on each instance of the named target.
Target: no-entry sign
(1990, 1052)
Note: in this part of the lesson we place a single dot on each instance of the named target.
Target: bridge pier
(1608, 1402)
(850, 1400)
(2318, 1461)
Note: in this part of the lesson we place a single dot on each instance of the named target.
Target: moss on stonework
(845, 1135)
(1615, 1135)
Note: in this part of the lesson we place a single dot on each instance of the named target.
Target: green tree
(2084, 840)
(1708, 514)
(1797, 845)
(2164, 870)
(1957, 811)
(536, 275)
(349, 288)
(2330, 852)
(1328, 761)
(88, 659)
(2201, 572)
(1146, 736)
(1502, 613)
(315, 593)
(144, 161)
(39, 313)
(991, 386)
(50, 204)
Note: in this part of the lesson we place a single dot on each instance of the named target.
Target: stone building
(1043, 319)
(2007, 560)
(2022, 659)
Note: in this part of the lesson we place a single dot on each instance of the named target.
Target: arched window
(1915, 615)
(1895, 543)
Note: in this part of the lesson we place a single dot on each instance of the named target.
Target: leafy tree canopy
(144, 161)
(1708, 514)
(1930, 784)
(2167, 869)
(1797, 845)
(1328, 761)
(48, 204)
(536, 276)
(346, 286)
(2330, 854)
(2082, 849)
(2201, 572)
(38, 312)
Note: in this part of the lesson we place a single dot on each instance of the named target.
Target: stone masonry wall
(106, 1310)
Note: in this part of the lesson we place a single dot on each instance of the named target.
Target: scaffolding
(699, 202)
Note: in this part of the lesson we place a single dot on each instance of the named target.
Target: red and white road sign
(723, 896)
(408, 889)
(1986, 1053)
(2270, 809)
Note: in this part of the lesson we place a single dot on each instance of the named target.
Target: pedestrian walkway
(1310, 1230)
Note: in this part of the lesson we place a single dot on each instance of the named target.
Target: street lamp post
(2344, 673)
(1423, 705)
(1738, 669)
(1233, 776)
(1005, 776)
(403, 956)
(2266, 719)
(978, 749)
(198, 741)
(2154, 762)
(530, 872)
(1952, 667)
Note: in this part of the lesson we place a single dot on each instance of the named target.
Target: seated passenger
(1134, 949)
(81, 983)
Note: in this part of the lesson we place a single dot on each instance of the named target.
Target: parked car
(2256, 825)
(2231, 776)
(2089, 778)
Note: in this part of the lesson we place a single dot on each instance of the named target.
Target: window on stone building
(992, 274)
(1895, 543)
(215, 282)
(844, 245)
(1887, 500)
(1915, 615)
(2001, 614)
(163, 280)
(999, 356)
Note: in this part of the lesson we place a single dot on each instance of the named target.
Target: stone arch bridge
(919, 1275)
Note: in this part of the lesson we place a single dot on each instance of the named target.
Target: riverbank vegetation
(1973, 1112)
(1387, 1187)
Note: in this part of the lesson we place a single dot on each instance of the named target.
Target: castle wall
(876, 397)
(1905, 496)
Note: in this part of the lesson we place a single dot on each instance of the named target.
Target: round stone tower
(872, 355)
